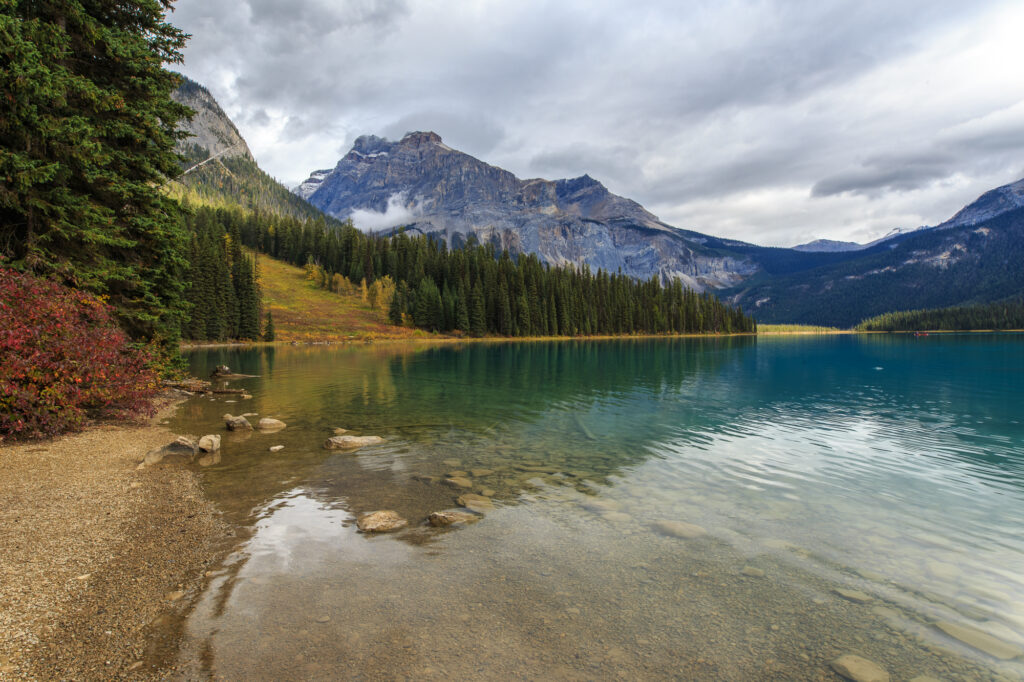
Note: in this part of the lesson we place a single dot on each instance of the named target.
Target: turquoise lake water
(891, 467)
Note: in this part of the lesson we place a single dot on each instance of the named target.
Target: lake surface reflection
(890, 467)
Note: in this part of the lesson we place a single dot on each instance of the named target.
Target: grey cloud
(888, 173)
(668, 103)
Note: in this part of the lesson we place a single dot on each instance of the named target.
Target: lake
(701, 508)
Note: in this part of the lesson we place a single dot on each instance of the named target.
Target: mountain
(974, 257)
(425, 186)
(219, 168)
(828, 245)
(989, 205)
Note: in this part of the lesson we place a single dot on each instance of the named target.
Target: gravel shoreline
(98, 559)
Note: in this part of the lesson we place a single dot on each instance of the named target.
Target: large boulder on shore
(181, 447)
(383, 521)
(237, 423)
(209, 443)
(270, 424)
(351, 442)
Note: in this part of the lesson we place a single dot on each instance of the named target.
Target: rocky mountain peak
(420, 139)
(210, 129)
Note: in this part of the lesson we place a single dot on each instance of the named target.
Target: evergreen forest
(1007, 314)
(473, 289)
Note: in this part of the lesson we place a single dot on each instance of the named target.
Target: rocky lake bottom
(732, 508)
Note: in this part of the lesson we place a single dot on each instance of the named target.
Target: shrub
(63, 360)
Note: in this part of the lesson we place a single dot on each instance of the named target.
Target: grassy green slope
(304, 312)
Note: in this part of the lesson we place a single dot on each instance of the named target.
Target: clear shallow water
(889, 465)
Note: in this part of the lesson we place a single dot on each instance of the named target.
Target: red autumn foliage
(64, 360)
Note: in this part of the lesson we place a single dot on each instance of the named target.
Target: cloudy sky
(772, 121)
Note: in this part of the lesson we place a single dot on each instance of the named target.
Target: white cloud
(399, 211)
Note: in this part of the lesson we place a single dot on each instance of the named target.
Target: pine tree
(268, 329)
(461, 311)
(477, 312)
(87, 129)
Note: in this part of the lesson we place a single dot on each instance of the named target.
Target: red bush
(63, 359)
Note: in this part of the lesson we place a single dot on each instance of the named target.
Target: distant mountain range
(422, 185)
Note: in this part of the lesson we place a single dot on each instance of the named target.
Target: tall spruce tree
(87, 134)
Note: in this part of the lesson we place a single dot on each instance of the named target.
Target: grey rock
(383, 521)
(982, 641)
(237, 423)
(855, 596)
(477, 503)
(448, 518)
(678, 529)
(459, 482)
(209, 443)
(270, 424)
(181, 447)
(351, 442)
(859, 669)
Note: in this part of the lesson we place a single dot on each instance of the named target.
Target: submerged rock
(982, 641)
(479, 473)
(859, 669)
(237, 423)
(383, 521)
(598, 506)
(679, 529)
(477, 503)
(752, 572)
(459, 482)
(209, 443)
(351, 442)
(209, 459)
(853, 595)
(338, 431)
(270, 424)
(448, 518)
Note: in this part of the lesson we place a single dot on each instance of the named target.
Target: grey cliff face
(210, 128)
(451, 195)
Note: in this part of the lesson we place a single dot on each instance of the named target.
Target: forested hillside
(474, 289)
(933, 268)
(1002, 315)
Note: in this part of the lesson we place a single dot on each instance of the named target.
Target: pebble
(276, 448)
(459, 482)
(174, 596)
(323, 619)
(752, 572)
(478, 473)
